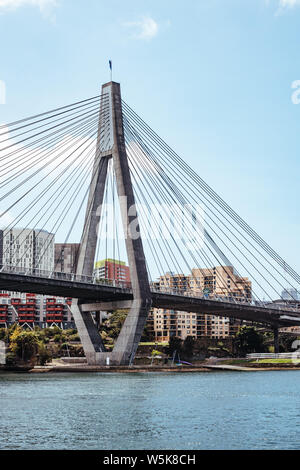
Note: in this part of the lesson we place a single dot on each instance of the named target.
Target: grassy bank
(261, 363)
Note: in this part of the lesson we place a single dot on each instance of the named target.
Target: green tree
(249, 340)
(44, 354)
(24, 345)
(286, 342)
(148, 334)
(112, 326)
(188, 346)
(175, 344)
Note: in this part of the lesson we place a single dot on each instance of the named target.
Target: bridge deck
(248, 312)
(62, 288)
(88, 292)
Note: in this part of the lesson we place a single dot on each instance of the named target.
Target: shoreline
(140, 369)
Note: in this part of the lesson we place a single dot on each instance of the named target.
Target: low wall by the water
(74, 360)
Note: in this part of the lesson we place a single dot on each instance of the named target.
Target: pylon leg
(89, 335)
(129, 338)
(128, 341)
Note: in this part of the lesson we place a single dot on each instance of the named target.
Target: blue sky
(212, 77)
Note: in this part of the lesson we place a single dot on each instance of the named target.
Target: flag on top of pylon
(110, 65)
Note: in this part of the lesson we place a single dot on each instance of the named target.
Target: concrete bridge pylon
(111, 145)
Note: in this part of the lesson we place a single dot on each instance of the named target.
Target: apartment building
(30, 310)
(174, 282)
(112, 270)
(35, 250)
(219, 281)
(27, 249)
(168, 323)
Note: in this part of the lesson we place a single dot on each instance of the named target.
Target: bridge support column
(130, 336)
(87, 328)
(111, 144)
(276, 340)
(90, 339)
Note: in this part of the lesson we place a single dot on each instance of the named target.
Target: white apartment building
(27, 249)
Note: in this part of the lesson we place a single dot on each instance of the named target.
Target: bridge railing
(229, 300)
(33, 272)
(59, 276)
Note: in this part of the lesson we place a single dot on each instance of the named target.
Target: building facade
(219, 281)
(27, 249)
(112, 270)
(34, 250)
(30, 310)
(65, 257)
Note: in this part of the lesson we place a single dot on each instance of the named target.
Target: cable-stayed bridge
(95, 168)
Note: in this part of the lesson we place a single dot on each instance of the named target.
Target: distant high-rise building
(112, 270)
(290, 294)
(65, 258)
(35, 250)
(27, 249)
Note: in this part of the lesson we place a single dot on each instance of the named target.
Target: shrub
(44, 355)
(155, 353)
(57, 338)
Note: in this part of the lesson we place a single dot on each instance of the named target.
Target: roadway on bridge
(88, 292)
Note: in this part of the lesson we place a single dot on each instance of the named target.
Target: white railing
(291, 355)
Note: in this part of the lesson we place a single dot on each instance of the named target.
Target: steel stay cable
(155, 161)
(154, 183)
(64, 212)
(31, 145)
(47, 188)
(39, 231)
(82, 132)
(246, 247)
(210, 262)
(82, 180)
(34, 154)
(162, 251)
(159, 170)
(204, 254)
(97, 169)
(57, 195)
(54, 169)
(90, 107)
(102, 216)
(40, 180)
(134, 168)
(221, 202)
(144, 217)
(155, 220)
(148, 153)
(47, 112)
(49, 129)
(222, 281)
(89, 208)
(58, 137)
(149, 241)
(65, 184)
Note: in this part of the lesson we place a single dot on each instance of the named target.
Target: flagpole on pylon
(110, 66)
